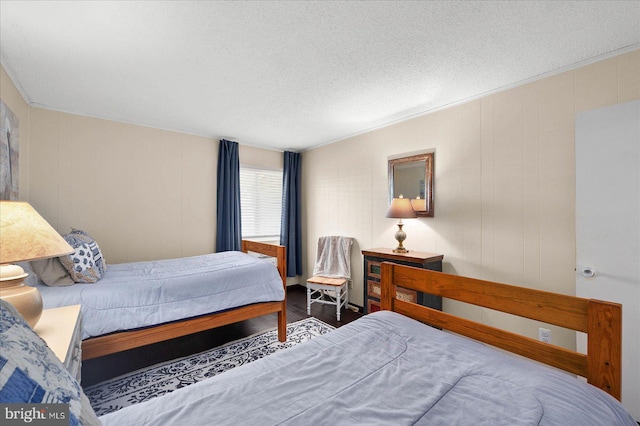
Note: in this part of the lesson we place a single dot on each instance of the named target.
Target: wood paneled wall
(504, 184)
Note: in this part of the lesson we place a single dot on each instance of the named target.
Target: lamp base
(400, 237)
(24, 298)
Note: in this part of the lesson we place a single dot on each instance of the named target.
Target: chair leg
(308, 300)
(346, 295)
(338, 304)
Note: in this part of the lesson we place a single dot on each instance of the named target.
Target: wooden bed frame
(120, 341)
(602, 321)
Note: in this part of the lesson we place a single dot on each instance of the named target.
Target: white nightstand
(60, 328)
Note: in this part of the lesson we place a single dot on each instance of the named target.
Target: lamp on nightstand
(401, 209)
(24, 236)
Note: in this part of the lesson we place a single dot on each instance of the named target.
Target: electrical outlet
(544, 335)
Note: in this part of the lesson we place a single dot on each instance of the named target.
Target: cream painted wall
(504, 185)
(263, 158)
(142, 193)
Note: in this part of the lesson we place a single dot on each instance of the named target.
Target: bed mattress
(384, 369)
(141, 294)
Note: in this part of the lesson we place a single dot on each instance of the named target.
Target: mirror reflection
(412, 177)
(408, 179)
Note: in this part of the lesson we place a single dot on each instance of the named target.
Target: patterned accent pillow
(31, 373)
(85, 264)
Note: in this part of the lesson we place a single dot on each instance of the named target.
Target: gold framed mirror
(412, 177)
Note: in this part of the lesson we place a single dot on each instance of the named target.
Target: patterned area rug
(142, 385)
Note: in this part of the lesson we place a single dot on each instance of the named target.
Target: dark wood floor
(100, 369)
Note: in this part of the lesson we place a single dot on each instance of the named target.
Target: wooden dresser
(372, 260)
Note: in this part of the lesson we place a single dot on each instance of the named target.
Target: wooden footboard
(602, 321)
(116, 342)
(280, 253)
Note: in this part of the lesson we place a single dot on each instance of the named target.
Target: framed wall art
(9, 126)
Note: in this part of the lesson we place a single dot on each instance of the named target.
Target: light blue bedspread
(383, 369)
(140, 294)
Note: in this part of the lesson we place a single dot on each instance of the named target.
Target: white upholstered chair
(331, 273)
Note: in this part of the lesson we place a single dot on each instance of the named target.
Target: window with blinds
(260, 203)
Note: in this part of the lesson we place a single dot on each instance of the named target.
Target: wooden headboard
(602, 321)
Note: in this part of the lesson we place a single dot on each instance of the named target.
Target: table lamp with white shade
(25, 236)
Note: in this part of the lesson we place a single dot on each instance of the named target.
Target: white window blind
(260, 203)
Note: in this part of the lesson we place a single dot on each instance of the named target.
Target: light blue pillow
(31, 373)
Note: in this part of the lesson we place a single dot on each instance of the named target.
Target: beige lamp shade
(24, 236)
(401, 209)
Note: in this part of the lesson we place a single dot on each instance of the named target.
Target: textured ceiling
(293, 75)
